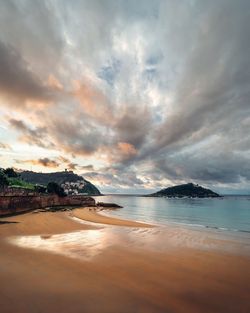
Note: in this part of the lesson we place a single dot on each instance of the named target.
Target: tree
(3, 180)
(53, 187)
(40, 189)
(10, 172)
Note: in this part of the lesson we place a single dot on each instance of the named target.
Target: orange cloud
(127, 149)
(72, 166)
(120, 152)
(46, 162)
(93, 101)
(54, 83)
(63, 159)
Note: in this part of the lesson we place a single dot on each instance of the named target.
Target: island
(189, 190)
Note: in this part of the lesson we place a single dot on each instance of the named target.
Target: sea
(216, 224)
(228, 213)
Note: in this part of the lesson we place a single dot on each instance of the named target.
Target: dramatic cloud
(17, 81)
(93, 102)
(46, 162)
(127, 180)
(36, 136)
(133, 94)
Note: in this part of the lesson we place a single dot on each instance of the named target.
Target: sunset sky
(133, 95)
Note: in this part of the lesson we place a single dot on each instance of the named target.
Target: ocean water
(229, 213)
(209, 224)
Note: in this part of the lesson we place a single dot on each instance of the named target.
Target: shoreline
(87, 218)
(47, 256)
(93, 215)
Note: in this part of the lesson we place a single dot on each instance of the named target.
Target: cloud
(67, 163)
(72, 166)
(75, 135)
(94, 103)
(36, 136)
(89, 167)
(134, 125)
(17, 82)
(45, 162)
(126, 148)
(54, 83)
(220, 168)
(105, 179)
(215, 77)
(37, 37)
(5, 146)
(81, 79)
(62, 159)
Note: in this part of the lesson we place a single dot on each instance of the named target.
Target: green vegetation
(8, 177)
(18, 182)
(187, 190)
(89, 189)
(40, 188)
(60, 178)
(44, 182)
(45, 178)
(3, 180)
(53, 187)
(9, 172)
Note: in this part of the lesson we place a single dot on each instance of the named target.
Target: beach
(91, 215)
(83, 261)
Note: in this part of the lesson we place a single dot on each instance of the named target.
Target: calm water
(228, 213)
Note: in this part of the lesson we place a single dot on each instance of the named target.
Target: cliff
(22, 201)
(187, 190)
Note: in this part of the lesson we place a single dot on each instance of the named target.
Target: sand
(39, 223)
(120, 278)
(93, 215)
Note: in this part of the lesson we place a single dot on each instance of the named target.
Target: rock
(108, 205)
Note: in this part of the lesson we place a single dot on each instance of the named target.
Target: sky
(133, 95)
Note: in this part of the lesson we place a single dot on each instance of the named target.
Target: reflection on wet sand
(110, 269)
(86, 244)
(81, 245)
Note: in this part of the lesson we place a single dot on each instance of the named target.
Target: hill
(16, 182)
(8, 177)
(187, 190)
(61, 178)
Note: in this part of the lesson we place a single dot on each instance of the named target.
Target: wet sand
(121, 277)
(93, 215)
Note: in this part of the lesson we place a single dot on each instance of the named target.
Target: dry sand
(119, 279)
(39, 223)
